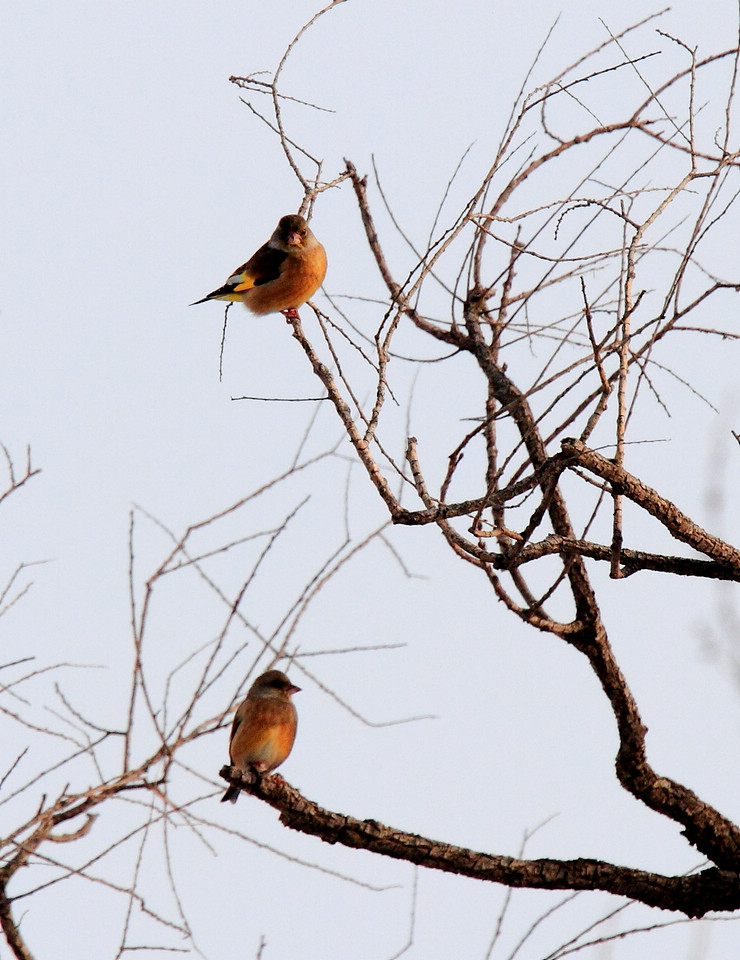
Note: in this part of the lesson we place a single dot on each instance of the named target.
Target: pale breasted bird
(264, 727)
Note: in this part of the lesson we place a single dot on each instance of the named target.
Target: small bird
(281, 275)
(264, 727)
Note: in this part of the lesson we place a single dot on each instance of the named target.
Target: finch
(281, 275)
(264, 727)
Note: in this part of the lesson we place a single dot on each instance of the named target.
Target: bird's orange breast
(300, 277)
(263, 734)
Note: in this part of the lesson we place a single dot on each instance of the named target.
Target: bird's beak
(293, 689)
(294, 240)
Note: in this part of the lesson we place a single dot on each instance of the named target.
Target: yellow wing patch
(245, 283)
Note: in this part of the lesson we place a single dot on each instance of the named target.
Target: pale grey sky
(133, 181)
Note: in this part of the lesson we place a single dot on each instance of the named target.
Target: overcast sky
(133, 180)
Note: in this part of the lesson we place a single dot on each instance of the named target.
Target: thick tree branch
(677, 523)
(633, 561)
(10, 928)
(692, 895)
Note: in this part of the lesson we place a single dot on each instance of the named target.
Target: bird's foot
(291, 314)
